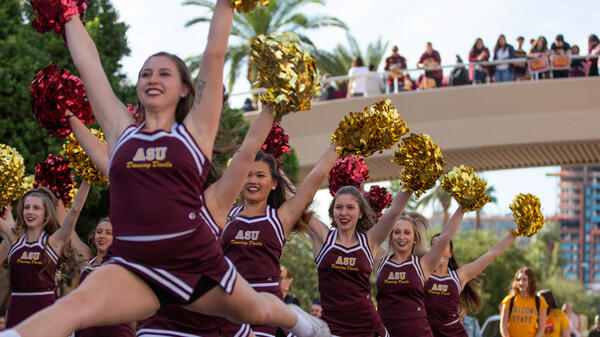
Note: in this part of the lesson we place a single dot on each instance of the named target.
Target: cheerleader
(163, 252)
(102, 240)
(452, 288)
(403, 271)
(344, 261)
(36, 243)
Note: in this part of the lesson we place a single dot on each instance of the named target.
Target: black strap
(512, 304)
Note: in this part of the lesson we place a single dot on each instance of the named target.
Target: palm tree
(490, 192)
(437, 195)
(337, 62)
(279, 15)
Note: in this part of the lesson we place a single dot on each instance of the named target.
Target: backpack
(512, 304)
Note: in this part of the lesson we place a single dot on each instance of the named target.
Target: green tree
(434, 196)
(338, 61)
(279, 15)
(23, 52)
(297, 256)
(490, 192)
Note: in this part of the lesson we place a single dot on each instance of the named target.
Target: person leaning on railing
(503, 51)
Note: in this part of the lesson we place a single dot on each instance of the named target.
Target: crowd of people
(399, 79)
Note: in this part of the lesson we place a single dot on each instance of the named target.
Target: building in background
(579, 223)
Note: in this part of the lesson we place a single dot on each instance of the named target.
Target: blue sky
(452, 27)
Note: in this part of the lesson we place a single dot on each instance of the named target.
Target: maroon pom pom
(277, 143)
(347, 171)
(55, 174)
(379, 198)
(52, 15)
(53, 92)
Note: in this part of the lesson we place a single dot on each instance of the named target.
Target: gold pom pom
(286, 70)
(26, 184)
(379, 127)
(527, 212)
(80, 162)
(11, 174)
(422, 163)
(72, 194)
(466, 188)
(244, 6)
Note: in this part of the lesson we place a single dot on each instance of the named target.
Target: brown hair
(369, 217)
(185, 103)
(285, 273)
(531, 279)
(469, 299)
(93, 233)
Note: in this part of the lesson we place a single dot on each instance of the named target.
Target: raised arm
(7, 223)
(292, 209)
(110, 113)
(432, 258)
(203, 119)
(317, 231)
(92, 146)
(379, 233)
(63, 234)
(221, 195)
(467, 272)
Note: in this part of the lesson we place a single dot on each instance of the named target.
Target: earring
(273, 188)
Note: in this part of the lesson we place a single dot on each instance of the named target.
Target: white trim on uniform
(263, 334)
(162, 333)
(261, 285)
(364, 242)
(208, 219)
(183, 293)
(186, 134)
(456, 280)
(121, 140)
(41, 241)
(146, 238)
(453, 322)
(244, 331)
(228, 280)
(417, 264)
(33, 293)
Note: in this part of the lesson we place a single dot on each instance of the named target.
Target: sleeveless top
(254, 245)
(156, 184)
(441, 299)
(26, 260)
(400, 289)
(344, 274)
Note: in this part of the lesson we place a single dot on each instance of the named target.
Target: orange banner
(538, 64)
(560, 62)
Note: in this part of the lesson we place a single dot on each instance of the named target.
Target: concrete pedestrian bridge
(489, 127)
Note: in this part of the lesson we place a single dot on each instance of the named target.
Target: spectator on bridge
(577, 68)
(357, 86)
(540, 49)
(327, 90)
(460, 74)
(593, 49)
(479, 53)
(248, 106)
(375, 85)
(562, 48)
(503, 51)
(431, 58)
(395, 63)
(520, 68)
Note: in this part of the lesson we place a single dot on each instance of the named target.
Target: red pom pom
(379, 198)
(53, 92)
(55, 174)
(52, 15)
(350, 171)
(277, 143)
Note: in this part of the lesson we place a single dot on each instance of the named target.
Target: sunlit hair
(368, 219)
(420, 225)
(549, 297)
(469, 299)
(50, 222)
(285, 273)
(531, 282)
(185, 103)
(282, 191)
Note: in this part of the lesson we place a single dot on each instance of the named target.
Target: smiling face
(403, 237)
(522, 282)
(103, 237)
(34, 212)
(346, 212)
(259, 183)
(160, 85)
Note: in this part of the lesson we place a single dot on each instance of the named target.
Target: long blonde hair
(420, 225)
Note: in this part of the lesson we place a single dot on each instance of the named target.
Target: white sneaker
(319, 327)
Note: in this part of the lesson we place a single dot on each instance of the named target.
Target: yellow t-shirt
(524, 317)
(556, 322)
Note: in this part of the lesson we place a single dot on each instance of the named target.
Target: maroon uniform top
(345, 289)
(156, 180)
(400, 289)
(435, 56)
(254, 246)
(441, 299)
(26, 260)
(121, 330)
